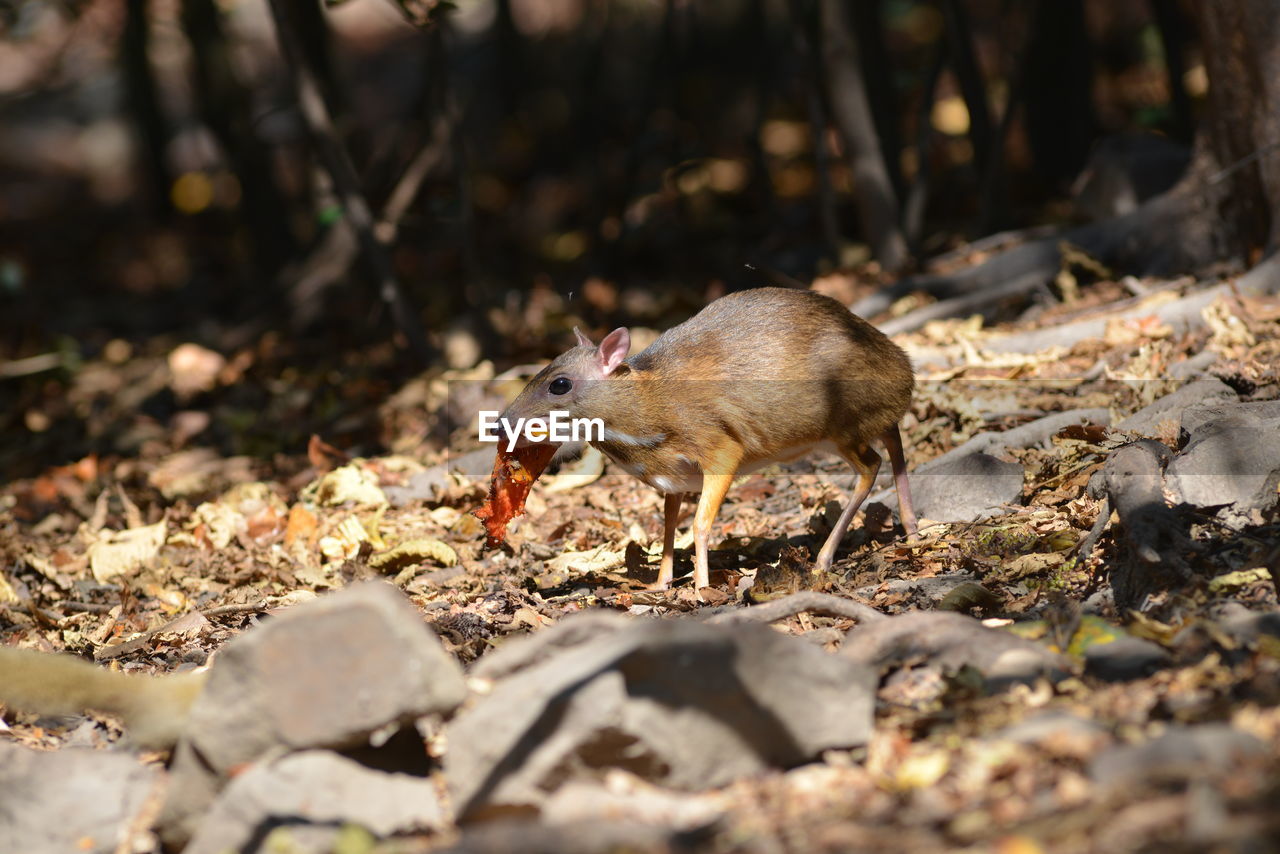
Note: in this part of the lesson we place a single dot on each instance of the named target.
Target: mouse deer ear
(583, 341)
(613, 349)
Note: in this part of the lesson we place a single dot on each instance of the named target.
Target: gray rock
(1100, 602)
(1170, 407)
(1194, 366)
(317, 792)
(1198, 415)
(193, 786)
(1248, 626)
(1182, 753)
(586, 628)
(325, 674)
(951, 641)
(431, 484)
(967, 488)
(595, 837)
(70, 800)
(682, 704)
(1229, 460)
(577, 803)
(935, 589)
(1124, 659)
(1049, 726)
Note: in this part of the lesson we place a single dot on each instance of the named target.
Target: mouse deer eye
(560, 385)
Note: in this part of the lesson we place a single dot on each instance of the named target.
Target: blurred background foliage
(526, 164)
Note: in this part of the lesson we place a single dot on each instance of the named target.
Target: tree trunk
(1241, 132)
(1058, 109)
(1173, 28)
(1225, 209)
(988, 155)
(873, 191)
(226, 107)
(867, 17)
(144, 104)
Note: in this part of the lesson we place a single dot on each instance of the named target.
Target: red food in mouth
(513, 475)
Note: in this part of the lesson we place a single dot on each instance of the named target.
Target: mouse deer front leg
(670, 515)
(717, 475)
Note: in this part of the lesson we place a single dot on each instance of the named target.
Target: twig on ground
(85, 607)
(798, 603)
(1030, 264)
(1022, 436)
(1183, 314)
(235, 610)
(30, 365)
(132, 645)
(1139, 241)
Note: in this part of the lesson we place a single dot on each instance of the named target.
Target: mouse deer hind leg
(867, 463)
(892, 439)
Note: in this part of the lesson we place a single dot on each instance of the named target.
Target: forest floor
(1159, 729)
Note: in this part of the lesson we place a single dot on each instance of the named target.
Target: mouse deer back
(756, 377)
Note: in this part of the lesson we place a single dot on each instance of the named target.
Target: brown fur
(154, 708)
(752, 376)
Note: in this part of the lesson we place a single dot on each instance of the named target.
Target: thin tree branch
(337, 163)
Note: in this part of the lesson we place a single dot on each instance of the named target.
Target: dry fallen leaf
(216, 524)
(921, 770)
(193, 369)
(7, 596)
(301, 526)
(592, 560)
(344, 542)
(412, 552)
(585, 470)
(118, 553)
(350, 484)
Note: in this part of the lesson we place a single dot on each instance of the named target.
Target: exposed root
(1182, 315)
(798, 603)
(1168, 234)
(1133, 480)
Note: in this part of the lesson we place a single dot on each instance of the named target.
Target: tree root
(1182, 314)
(798, 603)
(1170, 233)
(1167, 234)
(1022, 436)
(1132, 481)
(960, 306)
(1001, 241)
